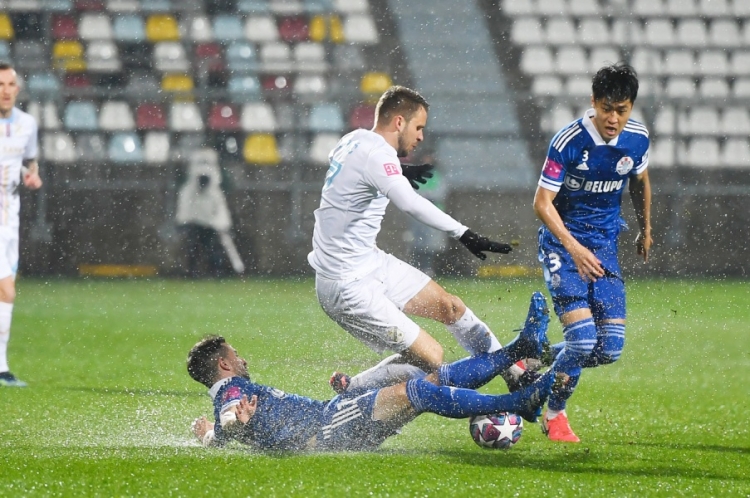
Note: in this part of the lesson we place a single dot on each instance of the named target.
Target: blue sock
(609, 344)
(559, 397)
(455, 402)
(475, 371)
(580, 339)
(555, 350)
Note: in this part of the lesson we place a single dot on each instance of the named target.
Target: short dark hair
(616, 83)
(203, 357)
(399, 100)
(6, 65)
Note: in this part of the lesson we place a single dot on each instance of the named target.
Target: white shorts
(370, 307)
(8, 252)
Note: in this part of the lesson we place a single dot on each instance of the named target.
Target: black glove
(417, 173)
(476, 244)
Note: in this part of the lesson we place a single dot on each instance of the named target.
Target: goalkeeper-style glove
(417, 173)
(476, 244)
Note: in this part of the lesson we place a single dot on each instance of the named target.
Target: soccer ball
(497, 431)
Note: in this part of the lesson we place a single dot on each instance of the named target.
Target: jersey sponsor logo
(624, 165)
(573, 182)
(552, 169)
(602, 187)
(232, 393)
(391, 169)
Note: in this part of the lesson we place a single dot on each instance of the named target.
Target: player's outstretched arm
(640, 194)
(478, 245)
(589, 266)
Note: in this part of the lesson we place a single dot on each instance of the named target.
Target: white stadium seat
(647, 61)
(739, 62)
(712, 63)
(662, 153)
(713, 88)
(557, 117)
(713, 8)
(561, 31)
(527, 31)
(703, 153)
(702, 120)
(594, 31)
(736, 153)
(156, 147)
(680, 88)
(648, 8)
(681, 8)
(691, 33)
(551, 8)
(735, 121)
(360, 28)
(602, 55)
(584, 8)
(571, 60)
(537, 60)
(658, 33)
(664, 121)
(679, 62)
(724, 33)
(578, 86)
(741, 88)
(546, 86)
(518, 7)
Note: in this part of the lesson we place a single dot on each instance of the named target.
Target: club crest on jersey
(573, 182)
(624, 166)
(232, 393)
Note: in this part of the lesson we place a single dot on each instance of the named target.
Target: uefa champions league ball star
(496, 431)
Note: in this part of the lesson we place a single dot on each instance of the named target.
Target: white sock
(388, 372)
(553, 413)
(473, 334)
(6, 312)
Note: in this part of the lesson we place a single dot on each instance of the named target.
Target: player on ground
(359, 419)
(365, 290)
(578, 199)
(18, 150)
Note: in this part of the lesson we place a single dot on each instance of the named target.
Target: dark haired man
(578, 199)
(358, 419)
(18, 150)
(365, 290)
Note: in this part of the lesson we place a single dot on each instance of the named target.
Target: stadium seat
(185, 116)
(546, 86)
(551, 8)
(64, 27)
(741, 88)
(227, 28)
(352, 6)
(362, 116)
(261, 149)
(678, 87)
(679, 62)
(537, 60)
(374, 84)
(102, 56)
(319, 6)
(692, 33)
(713, 63)
(125, 147)
(647, 62)
(116, 116)
(123, 6)
(58, 147)
(294, 29)
(555, 118)
(594, 32)
(581, 8)
(162, 28)
(310, 56)
(252, 6)
(527, 31)
(95, 27)
(326, 28)
(578, 86)
(561, 31)
(170, 57)
(57, 5)
(360, 28)
(571, 60)
(142, 85)
(322, 145)
(713, 8)
(6, 27)
(276, 57)
(149, 116)
(286, 7)
(44, 84)
(735, 121)
(261, 29)
(223, 117)
(156, 147)
(681, 8)
(80, 116)
(243, 88)
(701, 120)
(199, 29)
(664, 121)
(229, 146)
(662, 153)
(4, 50)
(740, 9)
(177, 83)
(349, 58)
(91, 147)
(241, 57)
(736, 153)
(35, 110)
(276, 86)
(258, 117)
(602, 55)
(164, 6)
(129, 28)
(325, 117)
(67, 55)
(648, 8)
(703, 153)
(658, 33)
(724, 33)
(739, 63)
(310, 87)
(713, 88)
(30, 55)
(50, 118)
(515, 8)
(94, 5)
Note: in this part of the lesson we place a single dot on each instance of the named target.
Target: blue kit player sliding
(588, 166)
(266, 418)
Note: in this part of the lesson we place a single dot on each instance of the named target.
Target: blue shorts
(348, 423)
(605, 297)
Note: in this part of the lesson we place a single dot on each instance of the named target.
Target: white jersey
(18, 142)
(364, 175)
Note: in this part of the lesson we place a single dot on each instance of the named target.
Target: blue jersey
(281, 422)
(589, 176)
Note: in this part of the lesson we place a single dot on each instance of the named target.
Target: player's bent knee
(452, 309)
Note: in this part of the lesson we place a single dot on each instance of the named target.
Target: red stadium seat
(277, 86)
(294, 29)
(64, 28)
(210, 56)
(362, 116)
(77, 80)
(150, 117)
(224, 117)
(90, 5)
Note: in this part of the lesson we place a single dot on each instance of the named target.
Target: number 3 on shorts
(554, 262)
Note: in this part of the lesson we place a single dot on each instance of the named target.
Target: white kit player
(368, 292)
(18, 150)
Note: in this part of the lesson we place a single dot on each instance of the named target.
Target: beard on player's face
(403, 146)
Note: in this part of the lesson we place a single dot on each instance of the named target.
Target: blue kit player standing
(589, 164)
(18, 150)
